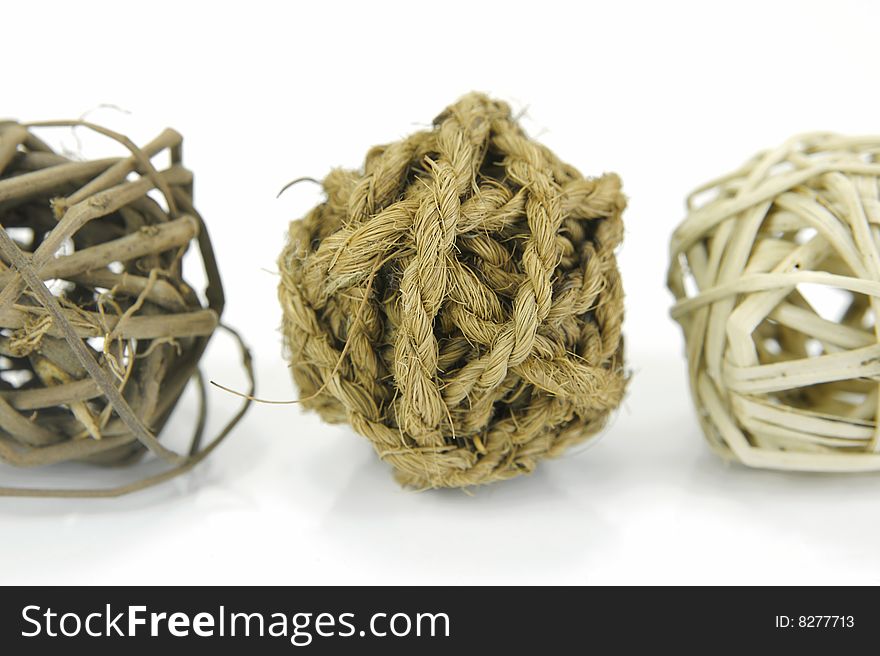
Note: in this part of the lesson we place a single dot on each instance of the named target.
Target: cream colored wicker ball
(776, 272)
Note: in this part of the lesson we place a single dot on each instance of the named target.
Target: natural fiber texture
(99, 331)
(458, 301)
(777, 277)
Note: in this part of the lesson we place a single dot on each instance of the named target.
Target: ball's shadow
(528, 526)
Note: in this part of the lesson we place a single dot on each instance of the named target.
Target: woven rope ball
(777, 274)
(99, 330)
(457, 300)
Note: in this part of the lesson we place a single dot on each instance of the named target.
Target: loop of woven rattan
(458, 301)
(125, 285)
(779, 381)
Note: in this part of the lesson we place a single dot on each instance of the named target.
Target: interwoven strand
(780, 376)
(458, 301)
(91, 370)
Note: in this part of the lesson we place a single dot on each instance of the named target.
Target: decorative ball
(457, 300)
(99, 330)
(776, 272)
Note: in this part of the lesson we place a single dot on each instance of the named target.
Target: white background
(667, 94)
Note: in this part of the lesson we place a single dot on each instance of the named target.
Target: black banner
(431, 620)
